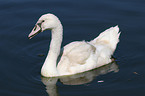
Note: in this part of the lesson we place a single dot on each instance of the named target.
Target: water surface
(20, 62)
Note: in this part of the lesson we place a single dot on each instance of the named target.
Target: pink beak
(37, 29)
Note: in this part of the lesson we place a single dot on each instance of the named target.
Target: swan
(77, 56)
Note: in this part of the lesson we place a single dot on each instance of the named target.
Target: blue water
(21, 60)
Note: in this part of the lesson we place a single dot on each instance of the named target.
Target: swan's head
(45, 22)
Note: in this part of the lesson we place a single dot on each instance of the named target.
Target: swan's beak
(37, 29)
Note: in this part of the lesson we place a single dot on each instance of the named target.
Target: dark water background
(20, 62)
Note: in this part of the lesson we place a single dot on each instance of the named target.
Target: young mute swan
(78, 56)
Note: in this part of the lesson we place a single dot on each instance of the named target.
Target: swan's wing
(75, 58)
(78, 52)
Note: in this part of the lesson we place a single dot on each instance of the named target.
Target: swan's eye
(42, 21)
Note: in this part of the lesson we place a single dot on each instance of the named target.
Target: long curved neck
(49, 66)
(55, 43)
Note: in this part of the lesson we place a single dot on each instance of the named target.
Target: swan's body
(78, 56)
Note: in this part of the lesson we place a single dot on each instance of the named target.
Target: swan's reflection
(78, 79)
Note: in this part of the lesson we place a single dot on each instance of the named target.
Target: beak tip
(29, 37)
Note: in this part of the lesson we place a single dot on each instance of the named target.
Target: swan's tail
(110, 36)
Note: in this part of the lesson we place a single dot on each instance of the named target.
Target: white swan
(78, 56)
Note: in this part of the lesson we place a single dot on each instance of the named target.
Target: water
(20, 62)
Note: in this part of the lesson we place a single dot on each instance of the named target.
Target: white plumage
(78, 56)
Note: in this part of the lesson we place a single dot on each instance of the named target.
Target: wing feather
(78, 52)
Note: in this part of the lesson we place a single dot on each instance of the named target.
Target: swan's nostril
(35, 27)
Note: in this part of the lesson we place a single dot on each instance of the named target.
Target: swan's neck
(49, 67)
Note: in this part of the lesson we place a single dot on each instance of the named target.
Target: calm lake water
(21, 60)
